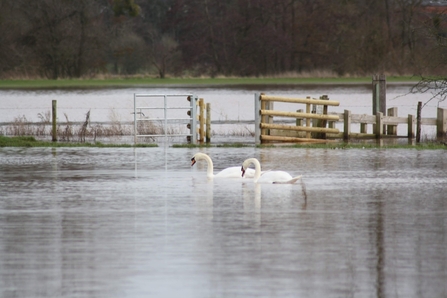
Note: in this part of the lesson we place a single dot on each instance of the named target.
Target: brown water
(89, 222)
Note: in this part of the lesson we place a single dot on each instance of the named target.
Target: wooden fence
(266, 130)
(204, 130)
(315, 129)
(383, 125)
(204, 117)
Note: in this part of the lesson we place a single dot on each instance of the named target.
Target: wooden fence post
(269, 105)
(347, 125)
(392, 129)
(308, 134)
(258, 119)
(264, 119)
(418, 122)
(411, 122)
(54, 120)
(378, 95)
(363, 128)
(322, 122)
(201, 120)
(379, 125)
(299, 121)
(441, 123)
(208, 122)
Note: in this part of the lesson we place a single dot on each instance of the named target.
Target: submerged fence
(142, 123)
(383, 125)
(318, 125)
(195, 122)
(267, 130)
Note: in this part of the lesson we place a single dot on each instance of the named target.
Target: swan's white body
(277, 177)
(231, 172)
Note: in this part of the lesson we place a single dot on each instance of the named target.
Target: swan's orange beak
(243, 171)
(193, 161)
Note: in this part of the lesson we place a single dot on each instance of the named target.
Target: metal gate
(191, 111)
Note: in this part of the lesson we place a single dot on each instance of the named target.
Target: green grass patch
(32, 142)
(142, 82)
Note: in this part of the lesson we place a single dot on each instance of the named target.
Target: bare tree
(164, 55)
(433, 79)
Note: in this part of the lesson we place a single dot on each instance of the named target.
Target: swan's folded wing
(291, 181)
(231, 172)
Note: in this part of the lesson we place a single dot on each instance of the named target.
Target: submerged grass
(32, 142)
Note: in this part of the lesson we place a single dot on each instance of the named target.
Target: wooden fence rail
(382, 125)
(266, 130)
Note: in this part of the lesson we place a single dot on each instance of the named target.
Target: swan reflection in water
(215, 197)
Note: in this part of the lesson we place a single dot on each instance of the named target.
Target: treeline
(86, 38)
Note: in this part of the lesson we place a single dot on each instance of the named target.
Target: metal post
(257, 119)
(194, 119)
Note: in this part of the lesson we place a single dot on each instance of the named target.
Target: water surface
(228, 103)
(94, 222)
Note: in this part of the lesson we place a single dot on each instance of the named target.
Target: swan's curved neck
(257, 168)
(210, 169)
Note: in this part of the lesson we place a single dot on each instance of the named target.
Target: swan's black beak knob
(193, 161)
(243, 171)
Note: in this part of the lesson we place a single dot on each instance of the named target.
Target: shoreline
(40, 84)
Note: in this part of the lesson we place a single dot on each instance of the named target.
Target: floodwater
(228, 103)
(140, 222)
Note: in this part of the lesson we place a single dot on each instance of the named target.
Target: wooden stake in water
(202, 119)
(208, 123)
(54, 119)
(418, 123)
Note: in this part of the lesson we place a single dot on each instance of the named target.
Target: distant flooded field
(233, 104)
(141, 222)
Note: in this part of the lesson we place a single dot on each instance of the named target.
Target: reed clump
(30, 141)
(67, 131)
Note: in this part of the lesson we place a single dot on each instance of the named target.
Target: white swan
(277, 177)
(231, 172)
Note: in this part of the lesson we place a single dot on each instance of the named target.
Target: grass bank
(32, 142)
(155, 82)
